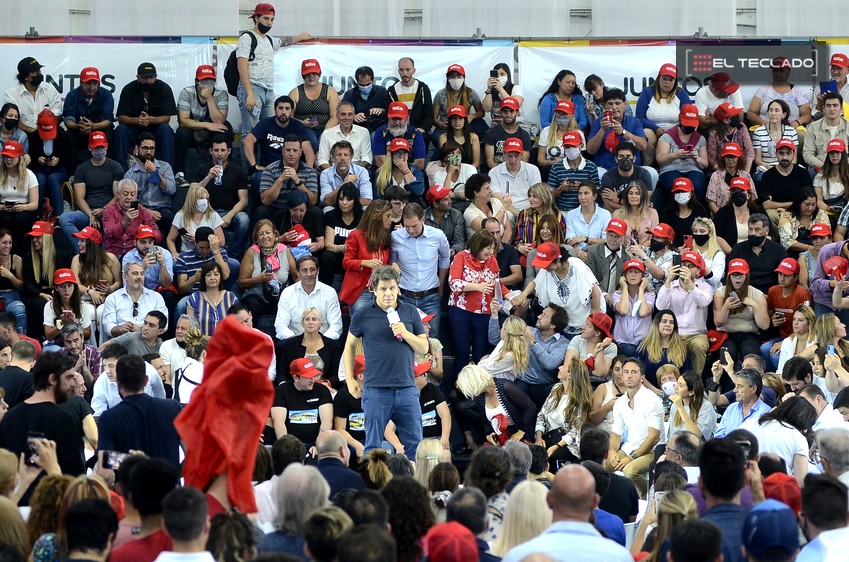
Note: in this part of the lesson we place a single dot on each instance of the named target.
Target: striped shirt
(210, 315)
(561, 171)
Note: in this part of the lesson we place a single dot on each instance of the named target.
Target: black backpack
(231, 69)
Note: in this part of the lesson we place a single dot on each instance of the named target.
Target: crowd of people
(493, 338)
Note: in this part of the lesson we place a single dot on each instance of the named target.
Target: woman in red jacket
(367, 247)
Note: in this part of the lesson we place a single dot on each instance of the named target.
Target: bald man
(333, 457)
(571, 537)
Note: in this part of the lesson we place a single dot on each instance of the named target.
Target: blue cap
(770, 531)
(298, 197)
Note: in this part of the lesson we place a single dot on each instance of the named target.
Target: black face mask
(756, 240)
(625, 164)
(145, 87)
(739, 199)
(688, 129)
(10, 123)
(701, 239)
(735, 121)
(263, 28)
(36, 80)
(656, 245)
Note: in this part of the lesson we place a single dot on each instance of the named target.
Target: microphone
(393, 318)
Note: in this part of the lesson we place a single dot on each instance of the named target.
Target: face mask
(263, 28)
(687, 130)
(11, 123)
(454, 159)
(202, 205)
(756, 240)
(37, 80)
(572, 152)
(456, 83)
(701, 239)
(739, 199)
(682, 198)
(502, 80)
(563, 121)
(145, 87)
(669, 387)
(656, 245)
(98, 153)
(735, 120)
(366, 90)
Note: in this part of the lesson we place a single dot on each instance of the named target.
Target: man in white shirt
(308, 292)
(358, 136)
(32, 94)
(105, 393)
(827, 416)
(720, 88)
(833, 447)
(125, 309)
(173, 351)
(513, 177)
(185, 518)
(637, 427)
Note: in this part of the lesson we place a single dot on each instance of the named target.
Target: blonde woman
(565, 411)
(38, 268)
(192, 373)
(674, 508)
(706, 244)
(18, 194)
(509, 359)
(528, 221)
(196, 212)
(637, 212)
(552, 135)
(429, 453)
(526, 516)
(13, 530)
(503, 410)
(397, 170)
(802, 342)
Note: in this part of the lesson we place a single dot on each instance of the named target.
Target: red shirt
(118, 240)
(466, 269)
(356, 276)
(776, 302)
(142, 550)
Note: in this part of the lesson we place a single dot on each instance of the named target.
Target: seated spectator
(824, 279)
(748, 407)
(189, 263)
(550, 139)
(172, 352)
(766, 136)
(396, 171)
(483, 204)
(450, 171)
(397, 198)
(196, 213)
(283, 177)
(124, 309)
(616, 180)
(793, 95)
(324, 352)
(529, 221)
(729, 219)
(123, 218)
(564, 413)
(740, 310)
(802, 341)
(832, 180)
(265, 270)
(155, 181)
(306, 293)
(796, 222)
(606, 134)
(564, 87)
(681, 152)
(301, 407)
(52, 160)
(11, 334)
(442, 215)
(637, 212)
(831, 331)
(509, 359)
(660, 255)
(339, 223)
(526, 516)
(457, 93)
(513, 417)
(706, 245)
(784, 431)
(662, 346)
(39, 265)
(315, 102)
(18, 193)
(512, 178)
(669, 512)
(105, 393)
(691, 410)
(346, 130)
(782, 301)
(595, 88)
(461, 134)
(731, 164)
(509, 266)
(682, 211)
(728, 128)
(344, 172)
(370, 100)
(584, 223)
(718, 89)
(633, 304)
(507, 127)
(547, 229)
(88, 108)
(398, 127)
(86, 356)
(760, 253)
(594, 345)
(302, 227)
(201, 114)
(659, 105)
(145, 341)
(10, 129)
(211, 301)
(567, 176)
(822, 131)
(66, 306)
(367, 247)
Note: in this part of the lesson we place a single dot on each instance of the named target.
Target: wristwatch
(712, 385)
(633, 456)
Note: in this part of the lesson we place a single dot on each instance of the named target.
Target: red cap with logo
(437, 192)
(839, 60)
(46, 125)
(726, 110)
(689, 115)
(510, 103)
(205, 72)
(359, 364)
(90, 233)
(682, 184)
(617, 226)
(740, 182)
(820, 230)
(732, 149)
(785, 143)
(457, 111)
(263, 9)
(696, 259)
(634, 264)
(424, 316)
(601, 321)
(547, 252)
(303, 367)
(398, 110)
(788, 266)
(399, 143)
(63, 276)
(301, 235)
(89, 74)
(662, 230)
(40, 228)
(421, 368)
(310, 66)
(144, 231)
(835, 145)
(835, 265)
(669, 69)
(722, 82)
(513, 145)
(572, 138)
(716, 339)
(738, 265)
(12, 149)
(97, 139)
(456, 68)
(565, 106)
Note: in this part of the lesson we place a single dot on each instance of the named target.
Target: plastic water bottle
(274, 283)
(220, 176)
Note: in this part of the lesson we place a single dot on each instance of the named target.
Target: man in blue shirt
(748, 408)
(158, 264)
(398, 127)
(344, 171)
(88, 108)
(155, 179)
(393, 335)
(722, 467)
(423, 254)
(615, 127)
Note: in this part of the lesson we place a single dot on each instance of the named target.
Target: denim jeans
(71, 223)
(401, 405)
(771, 360)
(429, 305)
(237, 233)
(264, 99)
(820, 309)
(50, 185)
(365, 299)
(470, 332)
(16, 307)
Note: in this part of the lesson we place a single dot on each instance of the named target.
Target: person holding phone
(682, 211)
(123, 217)
(740, 310)
(660, 255)
(18, 194)
(681, 152)
(66, 306)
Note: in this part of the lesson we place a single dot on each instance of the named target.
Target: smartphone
(746, 446)
(634, 236)
(659, 496)
(676, 260)
(102, 283)
(32, 447)
(493, 74)
(134, 205)
(67, 312)
(113, 459)
(689, 148)
(734, 295)
(607, 115)
(182, 231)
(723, 351)
(831, 350)
(9, 203)
(688, 241)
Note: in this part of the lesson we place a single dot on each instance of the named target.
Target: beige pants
(697, 347)
(635, 470)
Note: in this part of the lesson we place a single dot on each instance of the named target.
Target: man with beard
(416, 95)
(88, 108)
(202, 113)
(398, 126)
(282, 178)
(496, 137)
(145, 106)
(124, 310)
(831, 126)
(39, 416)
(344, 171)
(780, 184)
(616, 180)
(762, 255)
(85, 356)
(155, 179)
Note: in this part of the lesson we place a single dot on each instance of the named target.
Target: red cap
(689, 115)
(90, 233)
(97, 138)
(694, 258)
(740, 182)
(451, 542)
(359, 364)
(634, 264)
(421, 368)
(263, 9)
(662, 230)
(716, 339)
(399, 143)
(513, 145)
(13, 149)
(310, 66)
(425, 317)
(784, 488)
(601, 321)
(437, 192)
(565, 106)
(144, 231)
(303, 367)
(89, 74)
(617, 226)
(46, 125)
(788, 266)
(301, 235)
(835, 145)
(732, 149)
(456, 68)
(510, 103)
(40, 228)
(457, 111)
(572, 138)
(205, 72)
(669, 69)
(785, 143)
(682, 184)
(726, 110)
(839, 59)
(835, 265)
(547, 252)
(738, 265)
(820, 229)
(398, 110)
(63, 276)
(723, 82)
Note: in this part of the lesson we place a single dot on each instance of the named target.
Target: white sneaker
(180, 180)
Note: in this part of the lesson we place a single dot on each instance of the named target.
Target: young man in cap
(495, 139)
(762, 254)
(567, 175)
(201, 113)
(778, 186)
(32, 94)
(607, 260)
(302, 407)
(821, 132)
(280, 179)
(398, 126)
(416, 95)
(95, 184)
(606, 134)
(718, 90)
(616, 180)
(370, 100)
(88, 108)
(346, 130)
(145, 105)
(440, 214)
(782, 301)
(511, 179)
(344, 171)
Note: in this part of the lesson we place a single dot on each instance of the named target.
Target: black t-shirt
(302, 419)
(612, 179)
(341, 231)
(508, 256)
(49, 419)
(621, 498)
(17, 384)
(98, 181)
(77, 407)
(430, 397)
(159, 102)
(226, 195)
(350, 408)
(782, 189)
(679, 225)
(496, 136)
(313, 222)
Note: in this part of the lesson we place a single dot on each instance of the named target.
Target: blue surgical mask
(202, 205)
(98, 153)
(366, 90)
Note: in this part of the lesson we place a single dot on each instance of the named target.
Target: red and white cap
(547, 252)
(205, 72)
(510, 103)
(634, 264)
(669, 69)
(740, 182)
(437, 192)
(310, 66)
(682, 184)
(303, 367)
(47, 125)
(12, 149)
(689, 115)
(662, 230)
(399, 143)
(617, 226)
(96, 139)
(785, 143)
(738, 265)
(263, 9)
(820, 230)
(572, 138)
(788, 266)
(457, 111)
(514, 144)
(732, 149)
(726, 110)
(839, 59)
(144, 231)
(425, 317)
(398, 110)
(63, 276)
(565, 106)
(90, 233)
(40, 228)
(456, 68)
(89, 74)
(694, 258)
(421, 368)
(835, 145)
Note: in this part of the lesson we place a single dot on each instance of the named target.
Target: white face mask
(503, 80)
(456, 83)
(669, 387)
(572, 152)
(682, 198)
(563, 121)
(203, 205)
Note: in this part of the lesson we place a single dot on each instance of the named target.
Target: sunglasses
(135, 309)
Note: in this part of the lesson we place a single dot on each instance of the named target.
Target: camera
(554, 152)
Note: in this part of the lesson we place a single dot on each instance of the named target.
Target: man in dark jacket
(333, 457)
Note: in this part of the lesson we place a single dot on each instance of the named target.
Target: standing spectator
(367, 247)
(416, 95)
(723, 468)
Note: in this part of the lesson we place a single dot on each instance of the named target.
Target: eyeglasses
(671, 450)
(147, 148)
(135, 309)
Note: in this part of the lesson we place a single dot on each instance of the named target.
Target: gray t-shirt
(261, 69)
(188, 101)
(98, 181)
(680, 164)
